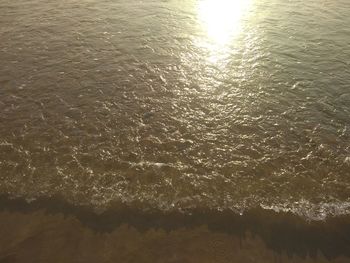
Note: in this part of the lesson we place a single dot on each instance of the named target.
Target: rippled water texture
(177, 105)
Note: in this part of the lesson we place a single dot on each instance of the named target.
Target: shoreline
(280, 233)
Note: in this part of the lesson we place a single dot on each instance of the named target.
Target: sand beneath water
(39, 236)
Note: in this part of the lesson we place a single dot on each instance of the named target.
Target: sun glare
(222, 19)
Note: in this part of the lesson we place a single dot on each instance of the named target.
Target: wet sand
(50, 230)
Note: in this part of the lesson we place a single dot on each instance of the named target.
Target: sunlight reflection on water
(222, 20)
(177, 105)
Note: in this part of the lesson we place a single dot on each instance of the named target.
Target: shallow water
(70, 241)
(52, 230)
(177, 105)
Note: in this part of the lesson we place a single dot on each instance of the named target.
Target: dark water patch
(282, 232)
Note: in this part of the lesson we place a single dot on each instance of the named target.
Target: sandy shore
(35, 233)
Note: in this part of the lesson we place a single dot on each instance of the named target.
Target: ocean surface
(177, 105)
